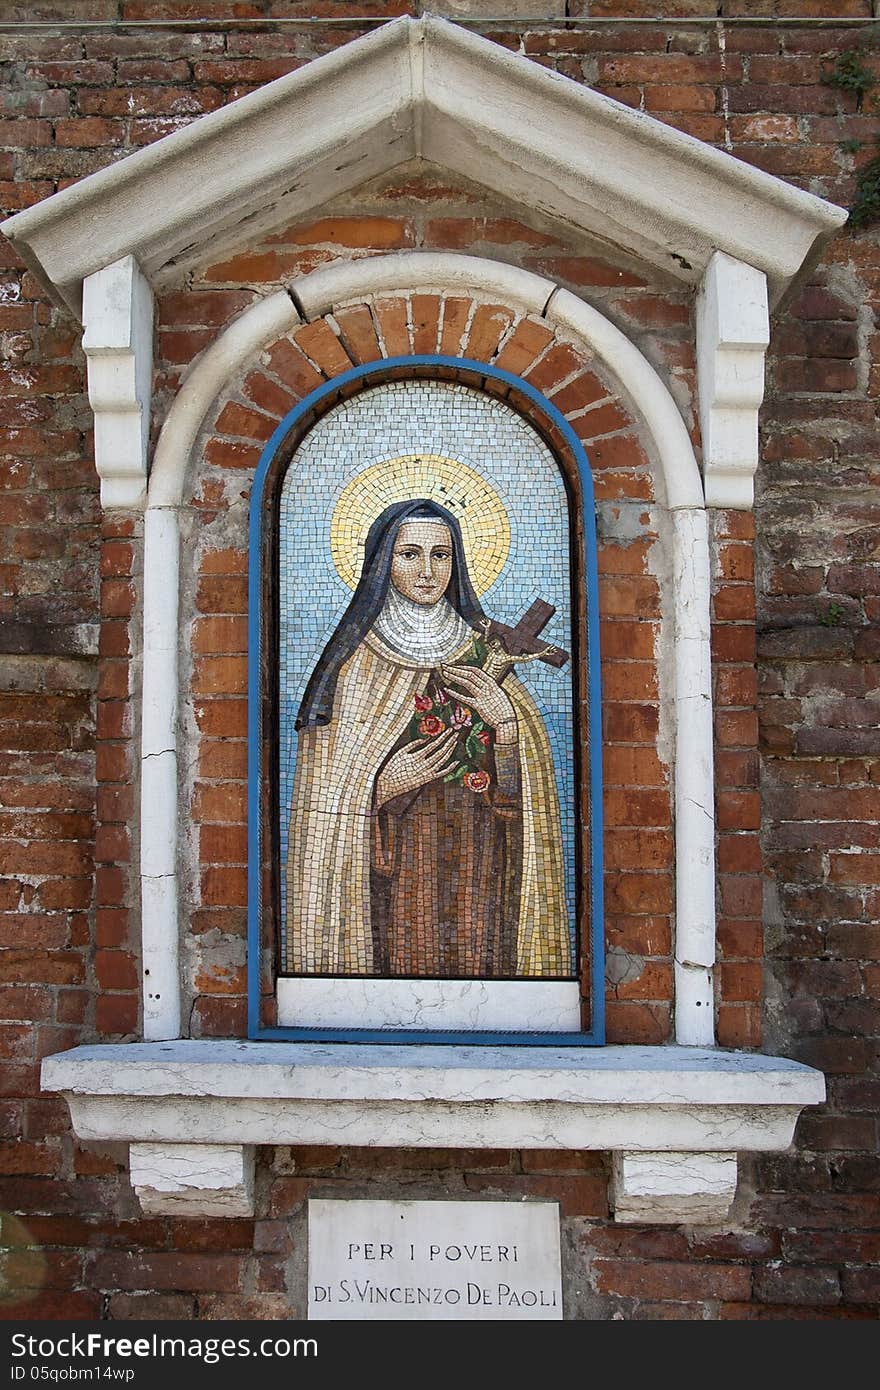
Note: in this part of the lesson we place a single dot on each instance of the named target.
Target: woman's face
(421, 563)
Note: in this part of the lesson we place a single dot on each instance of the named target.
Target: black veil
(370, 594)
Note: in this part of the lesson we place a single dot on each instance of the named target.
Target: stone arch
(554, 321)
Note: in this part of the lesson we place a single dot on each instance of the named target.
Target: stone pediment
(423, 89)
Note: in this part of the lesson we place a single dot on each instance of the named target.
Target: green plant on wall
(850, 74)
(866, 204)
(832, 615)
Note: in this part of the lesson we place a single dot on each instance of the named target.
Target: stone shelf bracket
(118, 344)
(733, 333)
(193, 1179)
(673, 1118)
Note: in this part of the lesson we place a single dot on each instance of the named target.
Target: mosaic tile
(427, 814)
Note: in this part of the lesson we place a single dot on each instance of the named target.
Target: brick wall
(802, 789)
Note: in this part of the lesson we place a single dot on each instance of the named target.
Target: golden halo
(480, 512)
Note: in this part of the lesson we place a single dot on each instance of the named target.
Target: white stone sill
(648, 1099)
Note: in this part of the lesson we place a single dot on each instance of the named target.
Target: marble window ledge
(673, 1118)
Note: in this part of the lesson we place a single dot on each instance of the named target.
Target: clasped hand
(415, 765)
(484, 695)
(423, 761)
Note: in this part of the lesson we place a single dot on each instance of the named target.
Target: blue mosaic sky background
(409, 417)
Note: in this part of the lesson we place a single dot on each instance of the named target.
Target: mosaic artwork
(427, 779)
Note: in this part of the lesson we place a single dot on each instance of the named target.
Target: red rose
(484, 738)
(430, 725)
(423, 702)
(476, 781)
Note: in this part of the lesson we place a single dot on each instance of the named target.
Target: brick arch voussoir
(427, 324)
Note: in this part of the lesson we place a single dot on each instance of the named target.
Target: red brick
(680, 98)
(639, 935)
(358, 334)
(654, 311)
(580, 393)
(223, 844)
(89, 133)
(741, 982)
(266, 394)
(293, 368)
(734, 603)
(243, 423)
(116, 1014)
(629, 680)
(634, 849)
(318, 341)
(855, 868)
(222, 453)
(736, 685)
(629, 640)
(736, 728)
(116, 970)
(222, 594)
(391, 317)
(220, 675)
(629, 596)
(224, 886)
(163, 1270)
(627, 892)
(425, 311)
(372, 233)
(630, 1021)
(46, 966)
(741, 894)
(739, 854)
(455, 317)
(823, 375)
(671, 1280)
(222, 718)
(219, 1017)
(635, 767)
(488, 326)
(740, 937)
(555, 367)
(523, 346)
(740, 810)
(50, 1305)
(630, 723)
(201, 307)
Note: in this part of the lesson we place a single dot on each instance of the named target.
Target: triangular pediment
(423, 89)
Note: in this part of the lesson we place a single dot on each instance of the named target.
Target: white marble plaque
(457, 1261)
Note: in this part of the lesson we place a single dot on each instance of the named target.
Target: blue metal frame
(596, 1035)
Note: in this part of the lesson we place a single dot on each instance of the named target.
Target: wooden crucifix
(509, 645)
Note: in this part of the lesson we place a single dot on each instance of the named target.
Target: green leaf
(475, 750)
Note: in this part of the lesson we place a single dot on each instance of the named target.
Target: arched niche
(514, 475)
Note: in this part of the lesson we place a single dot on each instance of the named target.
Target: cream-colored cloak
(328, 863)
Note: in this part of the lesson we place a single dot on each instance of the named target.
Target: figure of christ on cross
(509, 645)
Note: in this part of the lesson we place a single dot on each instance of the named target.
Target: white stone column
(694, 948)
(160, 935)
(160, 810)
